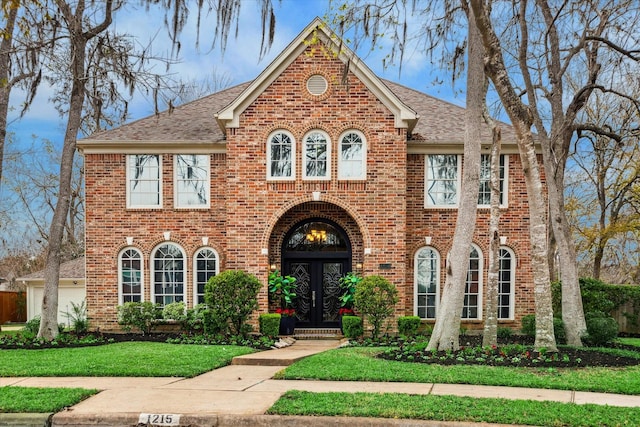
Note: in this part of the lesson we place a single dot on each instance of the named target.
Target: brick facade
(383, 216)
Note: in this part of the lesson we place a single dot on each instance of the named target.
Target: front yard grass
(360, 364)
(127, 359)
(40, 400)
(452, 408)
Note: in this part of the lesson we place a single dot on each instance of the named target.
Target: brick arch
(330, 200)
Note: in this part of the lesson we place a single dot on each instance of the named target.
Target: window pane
(442, 179)
(472, 288)
(505, 285)
(351, 159)
(144, 180)
(192, 180)
(168, 264)
(206, 266)
(316, 147)
(484, 195)
(426, 277)
(281, 155)
(130, 275)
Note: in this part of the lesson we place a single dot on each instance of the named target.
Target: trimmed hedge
(269, 324)
(352, 326)
(408, 325)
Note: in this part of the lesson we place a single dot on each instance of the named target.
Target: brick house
(316, 171)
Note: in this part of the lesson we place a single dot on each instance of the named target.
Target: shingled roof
(440, 121)
(73, 269)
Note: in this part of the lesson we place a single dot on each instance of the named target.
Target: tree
(446, 330)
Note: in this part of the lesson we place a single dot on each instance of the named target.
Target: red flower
(346, 312)
(286, 312)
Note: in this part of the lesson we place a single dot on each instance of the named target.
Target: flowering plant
(286, 312)
(346, 312)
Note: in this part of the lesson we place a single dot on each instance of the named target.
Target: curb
(26, 419)
(69, 419)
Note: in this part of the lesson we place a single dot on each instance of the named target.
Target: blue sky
(240, 59)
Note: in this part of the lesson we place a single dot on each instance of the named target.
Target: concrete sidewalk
(240, 394)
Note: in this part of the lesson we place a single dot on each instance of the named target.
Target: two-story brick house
(317, 167)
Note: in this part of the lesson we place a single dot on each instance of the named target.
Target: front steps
(317, 334)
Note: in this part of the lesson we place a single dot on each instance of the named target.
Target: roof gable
(317, 30)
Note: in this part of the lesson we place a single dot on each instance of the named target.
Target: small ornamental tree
(231, 297)
(375, 298)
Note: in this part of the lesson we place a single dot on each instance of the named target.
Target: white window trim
(505, 186)
(120, 295)
(458, 182)
(415, 282)
(512, 294)
(175, 183)
(363, 177)
(327, 177)
(152, 272)
(293, 157)
(128, 178)
(480, 285)
(195, 270)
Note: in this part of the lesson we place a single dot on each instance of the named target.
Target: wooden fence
(13, 307)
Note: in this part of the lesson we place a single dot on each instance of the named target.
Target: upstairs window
(317, 152)
(144, 183)
(192, 181)
(168, 274)
(442, 180)
(352, 156)
(484, 195)
(130, 276)
(281, 152)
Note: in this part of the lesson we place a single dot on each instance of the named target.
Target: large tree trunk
(522, 121)
(78, 39)
(490, 334)
(447, 327)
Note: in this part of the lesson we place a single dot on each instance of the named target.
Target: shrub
(504, 332)
(77, 317)
(408, 325)
(352, 326)
(375, 297)
(141, 315)
(269, 324)
(175, 311)
(231, 297)
(601, 328)
(529, 327)
(195, 318)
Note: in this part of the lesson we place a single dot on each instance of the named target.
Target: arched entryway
(317, 252)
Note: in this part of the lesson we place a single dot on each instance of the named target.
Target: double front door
(318, 290)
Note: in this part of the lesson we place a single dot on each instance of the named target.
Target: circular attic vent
(317, 85)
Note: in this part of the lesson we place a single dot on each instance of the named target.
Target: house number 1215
(159, 419)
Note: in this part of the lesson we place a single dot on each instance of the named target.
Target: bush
(601, 328)
(375, 297)
(77, 317)
(195, 318)
(141, 315)
(408, 325)
(352, 326)
(504, 332)
(269, 324)
(32, 327)
(175, 311)
(529, 327)
(231, 297)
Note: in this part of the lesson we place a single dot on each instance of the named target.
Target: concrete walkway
(240, 394)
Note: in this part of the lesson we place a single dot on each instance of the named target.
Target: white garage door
(65, 296)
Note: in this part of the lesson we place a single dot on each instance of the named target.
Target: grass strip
(453, 408)
(360, 364)
(40, 400)
(127, 359)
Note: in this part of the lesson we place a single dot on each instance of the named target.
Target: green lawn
(359, 364)
(452, 408)
(136, 359)
(40, 400)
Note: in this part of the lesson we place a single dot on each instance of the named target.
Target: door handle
(313, 298)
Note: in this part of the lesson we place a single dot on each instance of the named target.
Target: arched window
(426, 283)
(168, 273)
(472, 308)
(506, 284)
(281, 149)
(130, 276)
(352, 156)
(205, 266)
(317, 155)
